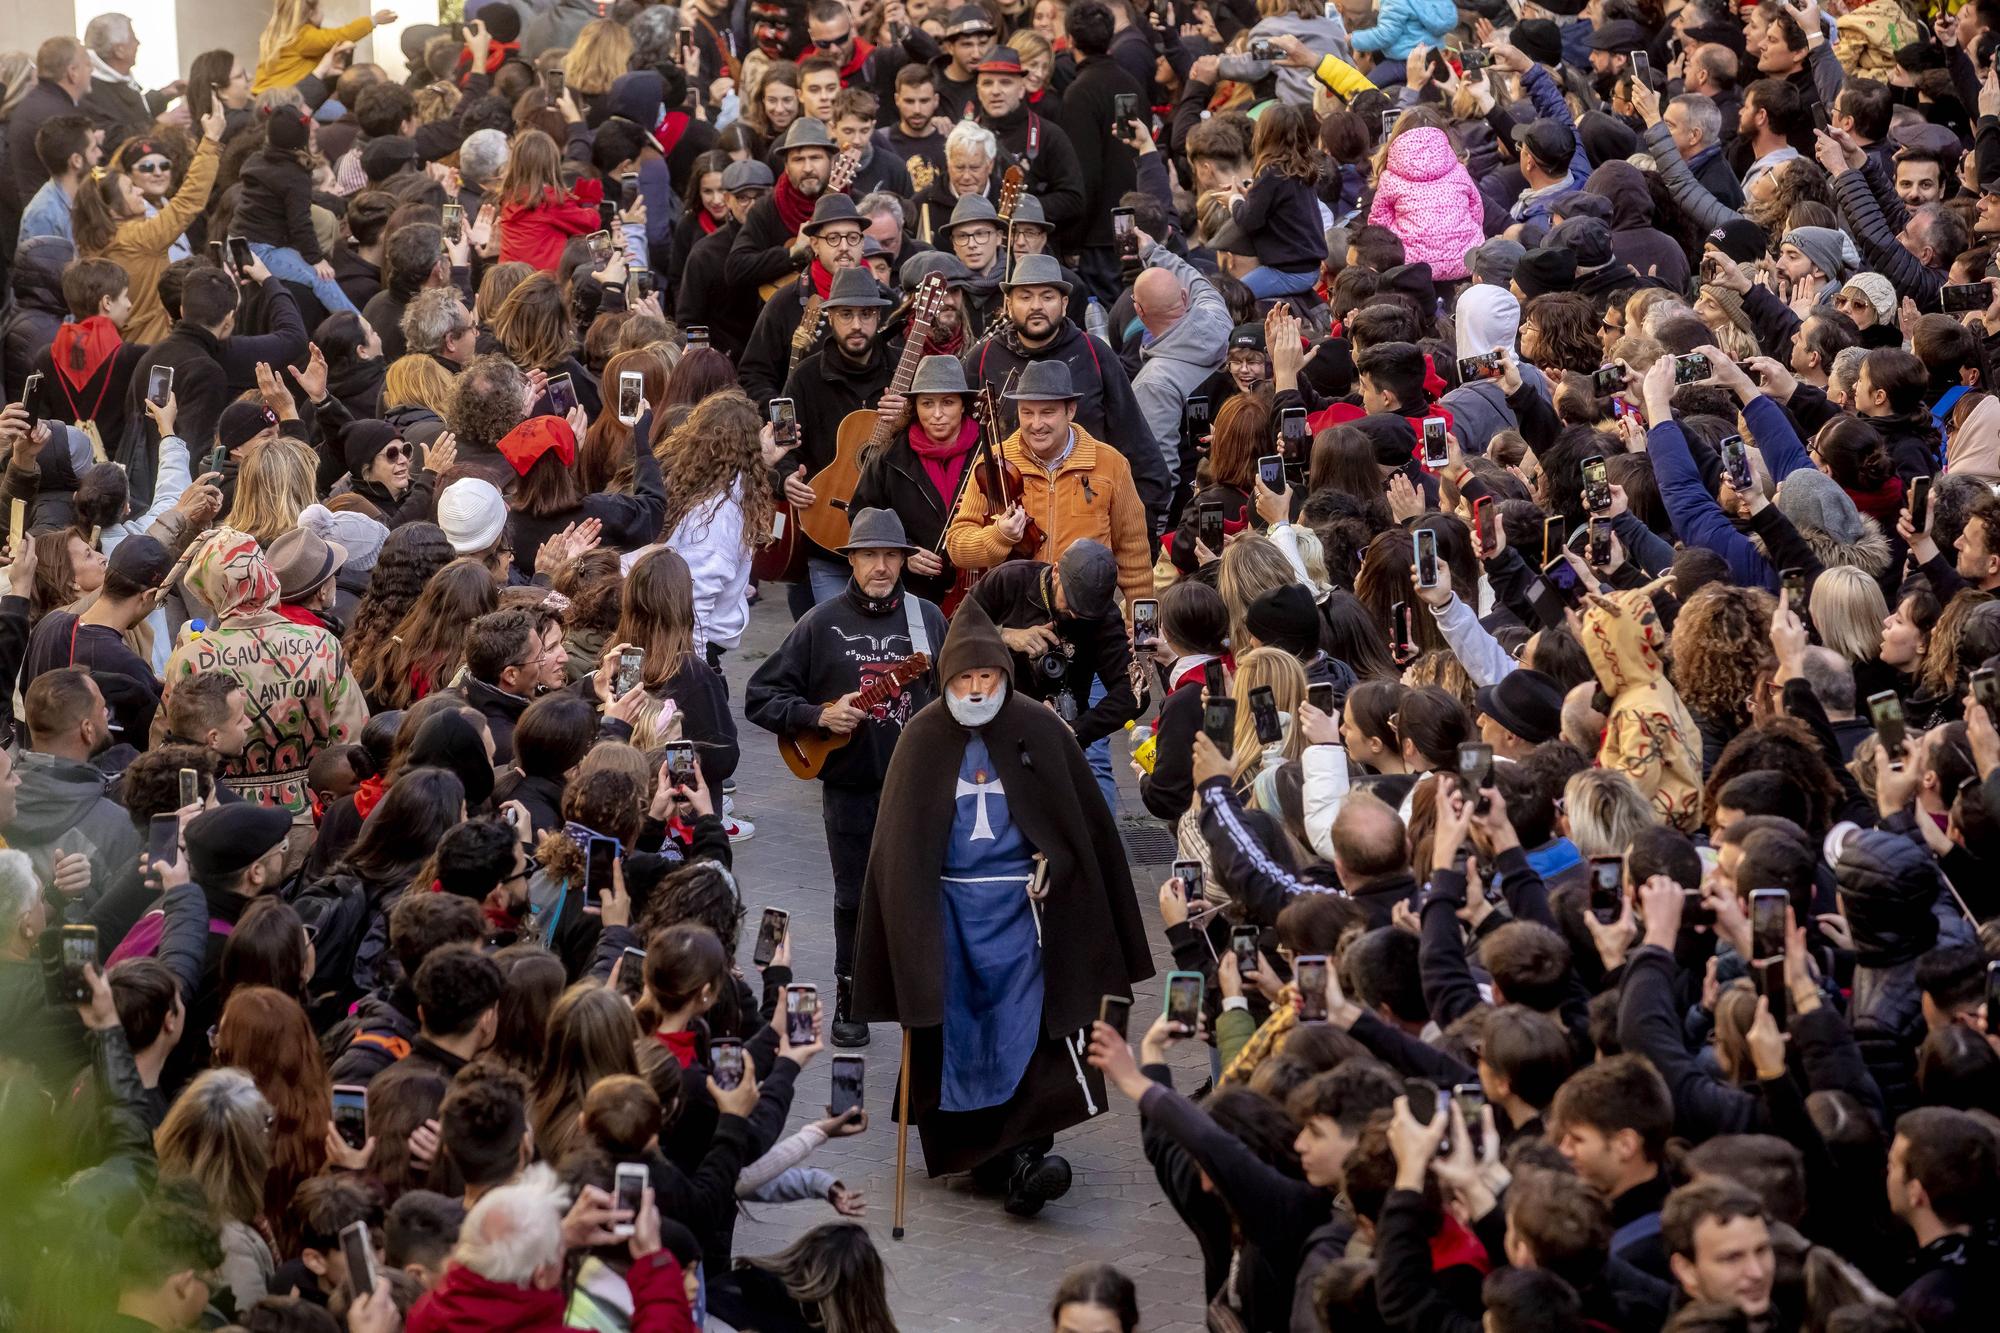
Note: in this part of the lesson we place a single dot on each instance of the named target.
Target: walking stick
(902, 1136)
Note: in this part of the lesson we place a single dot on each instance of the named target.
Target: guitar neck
(906, 372)
(888, 686)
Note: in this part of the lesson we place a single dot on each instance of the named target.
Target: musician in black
(973, 238)
(824, 676)
(848, 374)
(834, 235)
(1042, 147)
(918, 472)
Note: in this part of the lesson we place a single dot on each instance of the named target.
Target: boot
(846, 1031)
(1038, 1180)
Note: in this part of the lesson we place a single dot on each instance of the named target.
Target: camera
(1053, 665)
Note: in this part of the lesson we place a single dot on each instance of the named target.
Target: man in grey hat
(305, 564)
(847, 374)
(769, 247)
(959, 315)
(850, 642)
(1040, 332)
(1029, 232)
(973, 236)
(833, 238)
(702, 295)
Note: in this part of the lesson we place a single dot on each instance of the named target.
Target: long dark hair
(410, 558)
(834, 1271)
(401, 831)
(1854, 454)
(211, 70)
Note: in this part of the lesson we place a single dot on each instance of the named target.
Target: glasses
(844, 239)
(153, 166)
(833, 42)
(396, 453)
(977, 235)
(460, 330)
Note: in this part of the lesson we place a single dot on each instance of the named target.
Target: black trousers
(850, 828)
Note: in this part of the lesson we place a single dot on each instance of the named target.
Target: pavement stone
(964, 1264)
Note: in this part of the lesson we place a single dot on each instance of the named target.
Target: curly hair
(429, 641)
(409, 559)
(1564, 325)
(608, 802)
(593, 582)
(533, 325)
(713, 452)
(1786, 747)
(1791, 182)
(1721, 645)
(1939, 677)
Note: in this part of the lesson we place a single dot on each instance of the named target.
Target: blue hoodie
(1404, 24)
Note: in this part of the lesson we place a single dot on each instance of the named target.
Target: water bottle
(1096, 322)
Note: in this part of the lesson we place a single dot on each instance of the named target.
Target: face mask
(971, 714)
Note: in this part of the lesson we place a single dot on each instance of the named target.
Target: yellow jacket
(140, 246)
(298, 57)
(1342, 78)
(1091, 495)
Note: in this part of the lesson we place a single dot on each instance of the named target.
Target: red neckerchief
(709, 226)
(496, 56)
(81, 350)
(298, 615)
(945, 463)
(951, 346)
(368, 795)
(681, 1044)
(1452, 1246)
(862, 50)
(673, 124)
(794, 209)
(822, 279)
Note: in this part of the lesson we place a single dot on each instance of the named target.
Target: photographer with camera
(1062, 624)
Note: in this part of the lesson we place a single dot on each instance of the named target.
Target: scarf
(81, 350)
(794, 209)
(852, 69)
(944, 464)
(100, 70)
(951, 346)
(822, 279)
(667, 134)
(497, 54)
(680, 1044)
(709, 226)
(368, 795)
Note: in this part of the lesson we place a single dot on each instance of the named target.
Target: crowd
(1519, 484)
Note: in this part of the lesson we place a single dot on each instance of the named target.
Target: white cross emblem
(982, 829)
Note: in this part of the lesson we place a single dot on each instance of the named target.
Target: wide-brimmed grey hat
(939, 374)
(876, 530)
(829, 209)
(969, 209)
(1028, 212)
(805, 132)
(749, 174)
(1043, 382)
(854, 289)
(920, 266)
(1038, 271)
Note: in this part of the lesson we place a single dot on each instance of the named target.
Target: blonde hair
(619, 757)
(1279, 671)
(275, 484)
(1606, 810)
(1252, 565)
(418, 380)
(217, 1134)
(603, 52)
(436, 101)
(1848, 610)
(287, 18)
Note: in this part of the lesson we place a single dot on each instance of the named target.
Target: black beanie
(1286, 618)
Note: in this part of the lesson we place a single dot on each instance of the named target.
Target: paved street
(964, 1264)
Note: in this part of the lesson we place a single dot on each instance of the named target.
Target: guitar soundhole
(841, 505)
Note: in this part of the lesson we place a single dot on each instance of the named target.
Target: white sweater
(710, 539)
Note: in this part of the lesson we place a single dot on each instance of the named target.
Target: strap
(1033, 147)
(920, 642)
(1638, 1229)
(397, 1047)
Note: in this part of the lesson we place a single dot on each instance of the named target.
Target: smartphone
(1691, 368)
(848, 1073)
(1271, 471)
(1596, 483)
(1320, 696)
(1434, 448)
(1695, 910)
(1191, 881)
(1124, 232)
(1423, 543)
(17, 522)
(1642, 68)
(1145, 624)
(561, 393)
(1124, 107)
(1215, 678)
(784, 422)
(1218, 722)
(1793, 581)
(1767, 923)
(1482, 521)
(79, 950)
(1243, 944)
(1292, 431)
(697, 336)
(1403, 637)
(630, 663)
(607, 218)
(801, 1008)
(1986, 691)
(1184, 1001)
(629, 1195)
(638, 283)
(1484, 366)
(632, 974)
(769, 932)
(1607, 380)
(1561, 575)
(598, 858)
(1115, 1012)
(1471, 1099)
(163, 840)
(1264, 716)
(1600, 543)
(454, 222)
(681, 769)
(1440, 1105)
(688, 56)
(1885, 710)
(1920, 503)
(1735, 463)
(1475, 58)
(600, 245)
(1607, 879)
(1389, 119)
(218, 254)
(1993, 997)
(552, 83)
(631, 396)
(159, 385)
(1309, 975)
(1475, 772)
(1963, 296)
(628, 184)
(1194, 421)
(190, 787)
(359, 1250)
(240, 256)
(350, 1113)
(1208, 526)
(725, 1059)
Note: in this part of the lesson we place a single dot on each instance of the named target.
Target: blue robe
(992, 957)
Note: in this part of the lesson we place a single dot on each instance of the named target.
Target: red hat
(535, 437)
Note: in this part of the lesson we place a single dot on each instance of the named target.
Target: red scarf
(298, 615)
(848, 72)
(81, 350)
(496, 56)
(794, 209)
(368, 795)
(944, 464)
(951, 346)
(1881, 504)
(709, 226)
(822, 279)
(681, 1044)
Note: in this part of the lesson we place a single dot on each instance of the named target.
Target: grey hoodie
(1175, 364)
(1322, 37)
(551, 24)
(61, 808)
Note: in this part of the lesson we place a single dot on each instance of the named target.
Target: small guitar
(806, 334)
(805, 752)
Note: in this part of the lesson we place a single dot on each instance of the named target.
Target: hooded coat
(61, 807)
(1634, 238)
(1650, 735)
(1427, 198)
(302, 696)
(1092, 940)
(35, 283)
(1402, 24)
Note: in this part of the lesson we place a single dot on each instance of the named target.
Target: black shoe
(846, 1031)
(1038, 1180)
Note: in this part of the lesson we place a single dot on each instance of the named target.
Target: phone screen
(1986, 691)
(1189, 874)
(769, 932)
(1292, 430)
(632, 973)
(360, 1253)
(1264, 716)
(1767, 923)
(1309, 974)
(628, 184)
(552, 83)
(1735, 462)
(1471, 1099)
(1115, 1011)
(240, 255)
(159, 385)
(454, 222)
(79, 950)
(1145, 623)
(1962, 296)
(1434, 448)
(1607, 874)
(1320, 696)
(1691, 368)
(1475, 766)
(1425, 546)
(681, 769)
(598, 859)
(350, 1114)
(1920, 503)
(163, 840)
(1218, 722)
(190, 787)
(1184, 1000)
(562, 394)
(725, 1056)
(1243, 943)
(1400, 628)
(1271, 471)
(801, 1008)
(1124, 107)
(1208, 526)
(848, 1072)
(631, 395)
(629, 1196)
(630, 663)
(1885, 710)
(697, 335)
(1600, 542)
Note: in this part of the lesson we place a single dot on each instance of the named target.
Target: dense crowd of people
(1518, 484)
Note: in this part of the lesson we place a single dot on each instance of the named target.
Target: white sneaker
(740, 830)
(728, 805)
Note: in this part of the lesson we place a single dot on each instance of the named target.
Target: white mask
(974, 711)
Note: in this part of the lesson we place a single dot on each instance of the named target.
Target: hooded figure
(1650, 735)
(1826, 516)
(1426, 197)
(1973, 446)
(302, 697)
(1488, 318)
(997, 990)
(1634, 238)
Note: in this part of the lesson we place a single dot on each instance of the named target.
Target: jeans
(285, 262)
(1098, 753)
(1266, 283)
(824, 581)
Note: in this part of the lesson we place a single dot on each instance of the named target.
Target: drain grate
(1148, 842)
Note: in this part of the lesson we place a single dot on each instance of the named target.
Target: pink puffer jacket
(1426, 197)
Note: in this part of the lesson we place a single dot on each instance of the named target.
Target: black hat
(362, 440)
(1551, 141)
(1330, 368)
(1544, 270)
(1539, 40)
(241, 422)
(286, 129)
(968, 21)
(1286, 618)
(1247, 337)
(1527, 703)
(1588, 238)
(1393, 437)
(139, 561)
(1580, 204)
(1741, 239)
(225, 841)
(1089, 575)
(386, 156)
(829, 209)
(1618, 35)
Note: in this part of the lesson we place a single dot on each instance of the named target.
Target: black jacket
(1169, 789)
(501, 710)
(767, 353)
(1017, 594)
(760, 253)
(630, 521)
(277, 204)
(824, 389)
(25, 172)
(121, 111)
(201, 391)
(1110, 169)
(1055, 176)
(703, 296)
(38, 309)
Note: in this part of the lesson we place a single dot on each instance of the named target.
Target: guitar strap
(1033, 147)
(920, 642)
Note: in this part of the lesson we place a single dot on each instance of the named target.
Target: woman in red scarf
(919, 471)
(704, 209)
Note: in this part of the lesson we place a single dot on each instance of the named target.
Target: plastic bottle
(1096, 322)
(1144, 748)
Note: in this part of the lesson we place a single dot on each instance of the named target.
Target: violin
(999, 481)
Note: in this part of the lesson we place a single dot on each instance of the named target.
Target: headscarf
(229, 573)
(1487, 317)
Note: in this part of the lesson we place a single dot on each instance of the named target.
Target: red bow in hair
(536, 436)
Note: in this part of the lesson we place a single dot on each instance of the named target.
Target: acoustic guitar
(825, 519)
(1011, 185)
(845, 165)
(805, 752)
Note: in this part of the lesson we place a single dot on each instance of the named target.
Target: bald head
(1159, 300)
(1367, 841)
(1582, 724)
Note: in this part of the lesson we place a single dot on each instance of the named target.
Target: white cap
(472, 513)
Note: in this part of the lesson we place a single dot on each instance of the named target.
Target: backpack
(143, 940)
(336, 912)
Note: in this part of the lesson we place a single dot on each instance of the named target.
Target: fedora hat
(939, 374)
(876, 530)
(829, 209)
(1038, 271)
(1028, 212)
(920, 266)
(303, 560)
(1002, 60)
(854, 289)
(970, 209)
(805, 132)
(1527, 703)
(1043, 382)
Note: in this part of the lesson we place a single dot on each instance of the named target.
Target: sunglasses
(153, 166)
(833, 42)
(396, 453)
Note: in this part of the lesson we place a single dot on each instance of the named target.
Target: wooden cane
(902, 1136)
